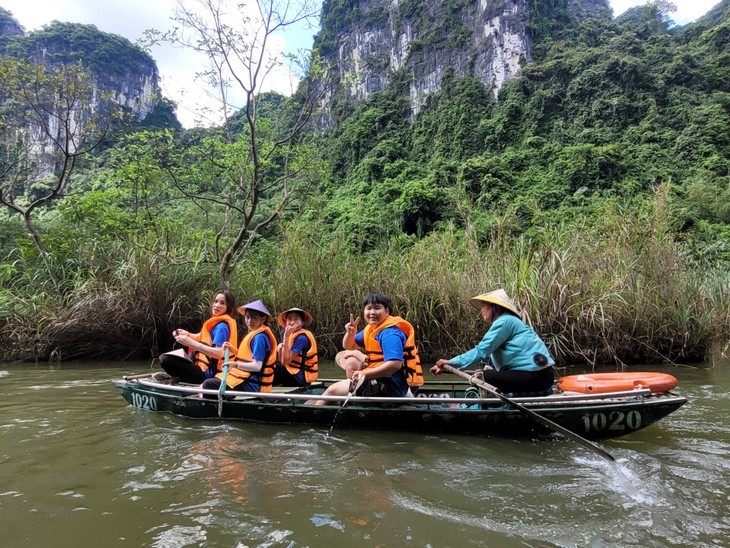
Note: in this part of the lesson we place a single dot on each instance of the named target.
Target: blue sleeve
(260, 347)
(392, 340)
(360, 339)
(500, 331)
(220, 334)
(301, 343)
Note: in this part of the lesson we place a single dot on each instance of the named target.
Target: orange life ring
(598, 383)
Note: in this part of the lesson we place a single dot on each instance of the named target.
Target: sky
(130, 19)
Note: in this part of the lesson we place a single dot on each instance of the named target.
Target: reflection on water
(82, 468)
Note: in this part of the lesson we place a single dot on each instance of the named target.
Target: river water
(80, 467)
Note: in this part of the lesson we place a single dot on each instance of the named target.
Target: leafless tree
(49, 118)
(266, 164)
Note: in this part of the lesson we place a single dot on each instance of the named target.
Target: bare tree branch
(48, 120)
(261, 168)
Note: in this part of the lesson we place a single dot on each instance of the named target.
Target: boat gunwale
(621, 398)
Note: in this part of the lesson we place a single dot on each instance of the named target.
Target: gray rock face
(117, 68)
(120, 73)
(368, 40)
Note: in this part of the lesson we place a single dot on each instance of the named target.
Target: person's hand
(437, 369)
(180, 332)
(184, 340)
(351, 326)
(231, 349)
(358, 377)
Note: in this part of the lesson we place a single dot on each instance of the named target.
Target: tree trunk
(42, 251)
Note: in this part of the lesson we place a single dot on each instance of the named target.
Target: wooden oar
(134, 377)
(222, 389)
(539, 418)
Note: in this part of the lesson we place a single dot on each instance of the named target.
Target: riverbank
(618, 290)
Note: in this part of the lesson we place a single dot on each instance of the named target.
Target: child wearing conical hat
(252, 369)
(298, 361)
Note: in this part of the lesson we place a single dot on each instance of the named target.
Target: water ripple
(77, 456)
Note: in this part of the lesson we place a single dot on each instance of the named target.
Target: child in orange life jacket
(252, 370)
(389, 363)
(298, 362)
(204, 349)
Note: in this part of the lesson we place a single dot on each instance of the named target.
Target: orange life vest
(205, 337)
(308, 362)
(245, 354)
(411, 360)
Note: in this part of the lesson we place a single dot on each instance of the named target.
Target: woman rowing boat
(521, 362)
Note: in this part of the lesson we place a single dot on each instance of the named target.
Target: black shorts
(520, 381)
(381, 388)
(282, 377)
(182, 368)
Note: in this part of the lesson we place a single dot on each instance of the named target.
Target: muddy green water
(80, 467)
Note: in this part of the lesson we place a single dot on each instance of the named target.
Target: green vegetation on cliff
(68, 43)
(610, 113)
(595, 189)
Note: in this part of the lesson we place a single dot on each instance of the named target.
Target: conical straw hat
(258, 306)
(308, 319)
(498, 296)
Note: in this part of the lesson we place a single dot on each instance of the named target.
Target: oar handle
(224, 375)
(222, 389)
(355, 385)
(539, 418)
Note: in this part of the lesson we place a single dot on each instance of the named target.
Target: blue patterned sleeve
(498, 334)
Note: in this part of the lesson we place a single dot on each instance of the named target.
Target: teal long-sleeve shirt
(511, 344)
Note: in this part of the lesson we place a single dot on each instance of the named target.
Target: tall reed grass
(125, 306)
(618, 290)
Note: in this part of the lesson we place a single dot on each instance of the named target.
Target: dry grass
(615, 292)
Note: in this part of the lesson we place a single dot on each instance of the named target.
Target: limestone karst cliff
(366, 41)
(119, 69)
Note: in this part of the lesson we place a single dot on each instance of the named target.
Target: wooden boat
(440, 407)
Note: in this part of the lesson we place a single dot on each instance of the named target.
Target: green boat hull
(437, 409)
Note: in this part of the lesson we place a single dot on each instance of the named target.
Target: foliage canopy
(614, 142)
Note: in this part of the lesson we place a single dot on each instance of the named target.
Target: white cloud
(687, 10)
